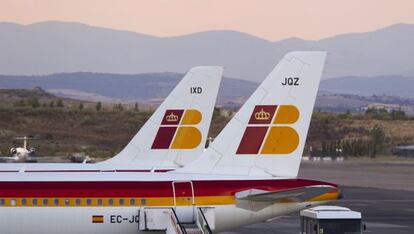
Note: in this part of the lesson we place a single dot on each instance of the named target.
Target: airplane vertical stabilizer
(176, 133)
(267, 135)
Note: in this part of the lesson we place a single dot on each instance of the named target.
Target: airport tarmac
(383, 211)
(382, 191)
(398, 175)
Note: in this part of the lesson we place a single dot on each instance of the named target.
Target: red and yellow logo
(177, 130)
(267, 132)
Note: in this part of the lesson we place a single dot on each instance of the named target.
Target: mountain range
(56, 47)
(336, 94)
(395, 85)
(146, 88)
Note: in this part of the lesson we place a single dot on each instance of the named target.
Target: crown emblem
(262, 115)
(171, 117)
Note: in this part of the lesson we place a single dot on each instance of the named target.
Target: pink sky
(270, 19)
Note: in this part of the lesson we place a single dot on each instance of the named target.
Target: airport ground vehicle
(330, 220)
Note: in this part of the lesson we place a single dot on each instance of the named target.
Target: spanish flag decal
(97, 218)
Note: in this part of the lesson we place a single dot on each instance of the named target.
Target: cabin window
(2, 202)
(100, 202)
(132, 202)
(110, 202)
(45, 202)
(34, 202)
(121, 202)
(78, 202)
(12, 202)
(24, 202)
(88, 202)
(67, 202)
(56, 202)
(143, 201)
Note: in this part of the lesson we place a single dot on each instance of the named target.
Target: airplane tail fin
(267, 135)
(176, 133)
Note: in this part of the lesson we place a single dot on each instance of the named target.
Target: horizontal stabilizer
(292, 195)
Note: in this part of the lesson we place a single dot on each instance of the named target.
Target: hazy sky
(270, 19)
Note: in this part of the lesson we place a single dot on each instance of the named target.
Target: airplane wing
(292, 195)
(1, 157)
(7, 159)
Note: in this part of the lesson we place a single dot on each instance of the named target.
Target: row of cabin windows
(68, 202)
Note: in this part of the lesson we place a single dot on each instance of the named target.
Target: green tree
(33, 102)
(118, 107)
(398, 115)
(52, 104)
(59, 103)
(377, 140)
(19, 103)
(136, 107)
(80, 107)
(98, 106)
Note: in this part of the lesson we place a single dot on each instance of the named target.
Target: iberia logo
(267, 132)
(177, 130)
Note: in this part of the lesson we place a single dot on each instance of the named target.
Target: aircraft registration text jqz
(291, 81)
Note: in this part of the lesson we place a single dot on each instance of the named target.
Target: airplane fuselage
(111, 202)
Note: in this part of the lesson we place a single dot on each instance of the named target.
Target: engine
(13, 151)
(32, 150)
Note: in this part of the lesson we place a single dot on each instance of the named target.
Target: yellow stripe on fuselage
(111, 202)
(149, 201)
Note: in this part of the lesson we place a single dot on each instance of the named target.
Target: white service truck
(331, 220)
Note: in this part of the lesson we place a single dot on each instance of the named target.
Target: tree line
(374, 145)
(33, 102)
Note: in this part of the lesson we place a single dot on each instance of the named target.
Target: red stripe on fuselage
(142, 188)
(63, 171)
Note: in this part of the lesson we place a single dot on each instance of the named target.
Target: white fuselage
(119, 220)
(19, 214)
